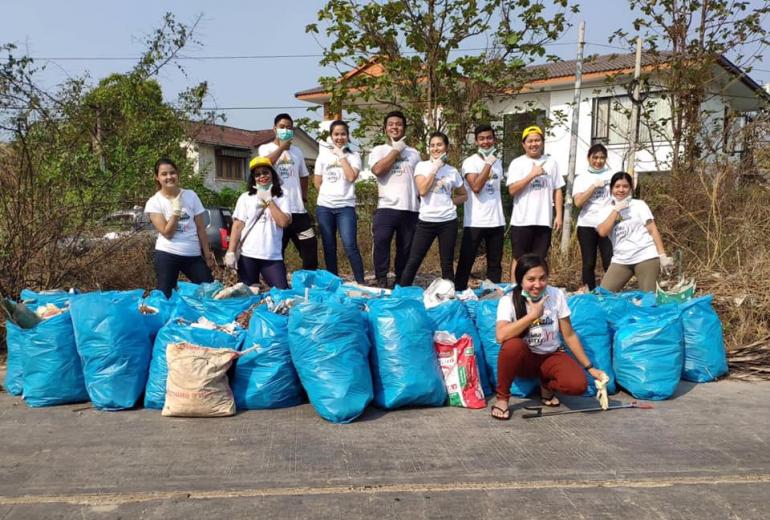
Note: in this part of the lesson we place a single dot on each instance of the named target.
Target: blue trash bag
(486, 319)
(176, 331)
(589, 320)
(405, 368)
(264, 376)
(618, 306)
(52, 372)
(114, 353)
(166, 307)
(705, 358)
(452, 316)
(320, 279)
(14, 369)
(412, 292)
(208, 289)
(648, 352)
(220, 312)
(35, 299)
(330, 351)
(187, 288)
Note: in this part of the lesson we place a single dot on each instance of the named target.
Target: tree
(418, 57)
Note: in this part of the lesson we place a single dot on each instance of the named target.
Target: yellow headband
(259, 161)
(531, 130)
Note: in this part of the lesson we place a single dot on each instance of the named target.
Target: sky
(249, 91)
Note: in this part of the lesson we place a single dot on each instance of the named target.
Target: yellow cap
(259, 161)
(531, 130)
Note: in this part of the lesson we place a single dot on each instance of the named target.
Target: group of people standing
(417, 205)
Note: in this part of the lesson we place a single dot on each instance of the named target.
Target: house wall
(204, 164)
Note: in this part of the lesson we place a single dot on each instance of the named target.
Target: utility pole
(566, 229)
(635, 107)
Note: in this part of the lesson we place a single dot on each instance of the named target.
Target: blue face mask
(603, 169)
(486, 152)
(531, 298)
(444, 158)
(284, 134)
(264, 187)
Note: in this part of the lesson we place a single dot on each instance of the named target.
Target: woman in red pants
(531, 322)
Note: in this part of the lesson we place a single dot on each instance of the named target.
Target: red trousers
(557, 371)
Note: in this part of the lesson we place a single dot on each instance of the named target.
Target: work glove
(230, 260)
(490, 159)
(265, 197)
(620, 205)
(666, 262)
(598, 183)
(601, 391)
(399, 145)
(339, 153)
(176, 205)
(537, 169)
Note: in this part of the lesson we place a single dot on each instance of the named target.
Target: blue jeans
(168, 266)
(344, 219)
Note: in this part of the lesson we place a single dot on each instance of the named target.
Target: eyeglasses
(263, 173)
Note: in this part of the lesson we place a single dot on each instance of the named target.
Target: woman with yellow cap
(260, 216)
(535, 183)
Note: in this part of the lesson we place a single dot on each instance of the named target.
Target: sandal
(549, 400)
(506, 413)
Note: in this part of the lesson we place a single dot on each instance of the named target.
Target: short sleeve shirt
(543, 336)
(485, 208)
(631, 242)
(592, 211)
(396, 188)
(290, 167)
(185, 240)
(437, 205)
(264, 239)
(336, 191)
(533, 205)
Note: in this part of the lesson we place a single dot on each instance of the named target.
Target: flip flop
(506, 413)
(551, 400)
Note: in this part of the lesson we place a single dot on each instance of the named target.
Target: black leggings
(168, 266)
(424, 236)
(530, 239)
(589, 240)
(301, 233)
(493, 242)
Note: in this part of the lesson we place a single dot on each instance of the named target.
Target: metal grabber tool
(538, 410)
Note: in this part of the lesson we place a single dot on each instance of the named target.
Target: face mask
(284, 134)
(531, 298)
(264, 187)
(603, 169)
(486, 152)
(621, 200)
(444, 158)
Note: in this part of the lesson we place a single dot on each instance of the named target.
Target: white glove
(265, 197)
(601, 391)
(176, 205)
(620, 205)
(230, 260)
(339, 153)
(399, 145)
(598, 183)
(436, 163)
(666, 262)
(490, 159)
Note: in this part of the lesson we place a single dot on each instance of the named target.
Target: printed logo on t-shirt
(490, 184)
(539, 183)
(333, 172)
(398, 167)
(600, 194)
(541, 331)
(441, 186)
(183, 222)
(285, 165)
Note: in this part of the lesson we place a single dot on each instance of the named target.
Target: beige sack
(197, 384)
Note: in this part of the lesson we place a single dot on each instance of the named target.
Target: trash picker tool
(538, 410)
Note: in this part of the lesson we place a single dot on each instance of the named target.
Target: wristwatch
(589, 366)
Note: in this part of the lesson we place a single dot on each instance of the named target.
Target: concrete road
(703, 454)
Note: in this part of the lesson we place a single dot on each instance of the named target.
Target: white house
(221, 153)
(604, 109)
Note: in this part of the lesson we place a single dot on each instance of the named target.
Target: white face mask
(264, 187)
(486, 152)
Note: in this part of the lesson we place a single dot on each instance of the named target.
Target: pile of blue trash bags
(341, 347)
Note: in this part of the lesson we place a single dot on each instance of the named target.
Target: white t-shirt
(592, 211)
(264, 240)
(396, 188)
(485, 208)
(290, 166)
(631, 242)
(185, 240)
(543, 336)
(336, 191)
(533, 205)
(437, 205)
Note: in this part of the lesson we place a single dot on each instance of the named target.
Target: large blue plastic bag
(115, 352)
(14, 369)
(405, 369)
(165, 307)
(35, 299)
(412, 292)
(320, 279)
(618, 306)
(705, 358)
(486, 320)
(589, 320)
(330, 351)
(176, 331)
(219, 311)
(648, 353)
(264, 375)
(452, 316)
(52, 373)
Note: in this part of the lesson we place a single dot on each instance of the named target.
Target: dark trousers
(530, 239)
(557, 371)
(302, 235)
(589, 240)
(493, 242)
(385, 224)
(343, 219)
(424, 235)
(168, 266)
(272, 271)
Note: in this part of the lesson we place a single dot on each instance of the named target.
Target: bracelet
(589, 367)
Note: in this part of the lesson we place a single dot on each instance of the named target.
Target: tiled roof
(221, 135)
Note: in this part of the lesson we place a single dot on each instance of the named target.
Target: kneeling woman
(441, 189)
(259, 218)
(530, 322)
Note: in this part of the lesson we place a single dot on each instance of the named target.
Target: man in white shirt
(289, 162)
(483, 211)
(398, 205)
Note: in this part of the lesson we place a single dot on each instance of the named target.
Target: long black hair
(276, 191)
(524, 264)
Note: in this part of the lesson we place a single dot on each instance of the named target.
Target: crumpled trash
(19, 314)
(489, 290)
(49, 310)
(238, 290)
(438, 292)
(601, 391)
(204, 323)
(466, 295)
